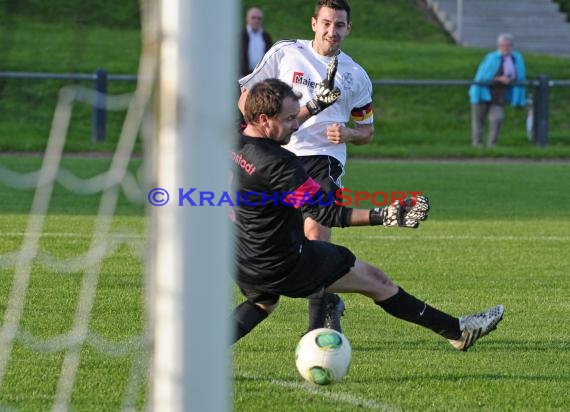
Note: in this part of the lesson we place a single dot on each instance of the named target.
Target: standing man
(255, 41)
(320, 141)
(502, 67)
(275, 258)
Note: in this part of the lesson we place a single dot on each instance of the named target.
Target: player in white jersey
(321, 139)
(298, 64)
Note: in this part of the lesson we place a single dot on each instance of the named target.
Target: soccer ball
(323, 356)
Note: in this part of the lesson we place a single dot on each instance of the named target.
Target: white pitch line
(75, 235)
(389, 237)
(330, 394)
(338, 396)
(467, 237)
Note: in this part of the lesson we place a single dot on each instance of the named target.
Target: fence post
(99, 122)
(541, 110)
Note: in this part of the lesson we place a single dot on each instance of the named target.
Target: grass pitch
(498, 233)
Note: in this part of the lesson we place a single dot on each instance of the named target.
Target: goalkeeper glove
(409, 213)
(326, 93)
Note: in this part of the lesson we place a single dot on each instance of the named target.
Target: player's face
(331, 27)
(282, 126)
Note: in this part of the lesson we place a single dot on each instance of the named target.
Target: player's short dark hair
(266, 97)
(333, 4)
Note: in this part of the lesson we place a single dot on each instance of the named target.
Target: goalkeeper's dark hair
(333, 4)
(267, 97)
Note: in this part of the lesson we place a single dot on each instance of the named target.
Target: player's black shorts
(320, 264)
(327, 171)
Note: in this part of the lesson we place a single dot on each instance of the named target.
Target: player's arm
(326, 95)
(363, 131)
(324, 209)
(359, 135)
(401, 213)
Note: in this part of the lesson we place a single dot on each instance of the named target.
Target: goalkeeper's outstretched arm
(407, 213)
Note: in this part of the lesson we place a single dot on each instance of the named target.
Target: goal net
(108, 302)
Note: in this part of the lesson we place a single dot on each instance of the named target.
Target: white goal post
(191, 246)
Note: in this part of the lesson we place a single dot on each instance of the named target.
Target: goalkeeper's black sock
(246, 317)
(405, 306)
(317, 308)
(317, 305)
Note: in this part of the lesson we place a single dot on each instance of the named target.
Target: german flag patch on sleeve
(359, 114)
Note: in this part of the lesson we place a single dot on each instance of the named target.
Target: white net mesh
(61, 331)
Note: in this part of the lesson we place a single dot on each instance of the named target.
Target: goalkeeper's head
(271, 111)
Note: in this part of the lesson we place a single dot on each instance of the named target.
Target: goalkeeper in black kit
(273, 255)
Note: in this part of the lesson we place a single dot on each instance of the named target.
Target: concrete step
(521, 42)
(473, 13)
(488, 29)
(505, 11)
(513, 6)
(524, 46)
(537, 25)
(558, 19)
(558, 51)
(518, 39)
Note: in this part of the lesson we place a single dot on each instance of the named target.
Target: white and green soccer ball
(323, 356)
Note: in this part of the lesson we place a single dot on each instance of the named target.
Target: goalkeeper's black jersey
(273, 186)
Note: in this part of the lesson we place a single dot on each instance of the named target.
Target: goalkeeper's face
(285, 123)
(331, 27)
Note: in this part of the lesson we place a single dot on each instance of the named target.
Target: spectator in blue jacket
(504, 69)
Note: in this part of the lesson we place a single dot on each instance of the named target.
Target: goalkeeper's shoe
(476, 326)
(333, 313)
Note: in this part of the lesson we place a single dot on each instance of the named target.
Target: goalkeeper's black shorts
(320, 264)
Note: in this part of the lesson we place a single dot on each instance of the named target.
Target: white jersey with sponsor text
(297, 64)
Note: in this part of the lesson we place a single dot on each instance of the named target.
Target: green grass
(117, 317)
(374, 19)
(391, 40)
(28, 105)
(494, 236)
(85, 12)
(497, 233)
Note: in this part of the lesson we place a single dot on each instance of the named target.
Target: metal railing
(541, 86)
(100, 79)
